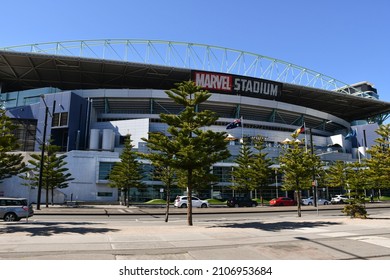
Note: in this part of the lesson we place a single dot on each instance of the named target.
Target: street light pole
(42, 156)
(276, 182)
(314, 175)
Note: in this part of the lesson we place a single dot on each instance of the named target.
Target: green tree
(202, 179)
(162, 155)
(193, 146)
(54, 172)
(379, 162)
(167, 176)
(336, 176)
(11, 163)
(243, 175)
(298, 166)
(356, 175)
(261, 166)
(252, 172)
(127, 172)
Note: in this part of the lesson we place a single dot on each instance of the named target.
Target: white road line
(310, 230)
(338, 234)
(376, 240)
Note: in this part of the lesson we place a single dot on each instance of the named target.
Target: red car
(282, 201)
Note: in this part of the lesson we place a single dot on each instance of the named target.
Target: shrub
(355, 210)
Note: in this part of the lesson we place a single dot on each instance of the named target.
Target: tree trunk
(47, 195)
(299, 203)
(52, 196)
(261, 197)
(167, 206)
(189, 198)
(127, 197)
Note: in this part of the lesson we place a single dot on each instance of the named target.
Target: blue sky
(348, 40)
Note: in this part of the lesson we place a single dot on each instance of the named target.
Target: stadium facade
(94, 93)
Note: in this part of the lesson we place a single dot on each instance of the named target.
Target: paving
(282, 236)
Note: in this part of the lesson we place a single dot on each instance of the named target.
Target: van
(14, 209)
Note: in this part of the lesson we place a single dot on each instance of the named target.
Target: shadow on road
(277, 226)
(53, 228)
(377, 218)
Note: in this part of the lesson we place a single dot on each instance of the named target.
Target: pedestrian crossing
(370, 239)
(375, 240)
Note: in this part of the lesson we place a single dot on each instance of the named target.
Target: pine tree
(356, 175)
(261, 166)
(127, 172)
(54, 173)
(11, 163)
(298, 166)
(379, 162)
(243, 175)
(336, 175)
(166, 175)
(192, 147)
(252, 172)
(162, 161)
(202, 179)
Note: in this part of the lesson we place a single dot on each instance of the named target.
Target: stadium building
(86, 96)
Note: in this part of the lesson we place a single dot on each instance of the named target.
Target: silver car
(310, 201)
(14, 209)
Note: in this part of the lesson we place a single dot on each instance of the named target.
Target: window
(105, 169)
(223, 173)
(12, 202)
(104, 194)
(60, 119)
(25, 134)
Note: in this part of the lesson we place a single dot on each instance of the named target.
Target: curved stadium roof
(160, 64)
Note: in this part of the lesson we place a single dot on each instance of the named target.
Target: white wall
(137, 128)
(84, 167)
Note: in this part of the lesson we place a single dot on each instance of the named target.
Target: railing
(191, 56)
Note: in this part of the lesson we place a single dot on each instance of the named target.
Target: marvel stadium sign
(226, 83)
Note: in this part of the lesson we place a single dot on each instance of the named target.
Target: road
(209, 216)
(267, 235)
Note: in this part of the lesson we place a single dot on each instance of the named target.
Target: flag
(300, 130)
(234, 124)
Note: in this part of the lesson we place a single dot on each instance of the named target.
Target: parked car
(182, 202)
(241, 202)
(339, 198)
(282, 201)
(310, 201)
(14, 209)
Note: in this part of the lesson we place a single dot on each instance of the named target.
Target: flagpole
(242, 129)
(304, 126)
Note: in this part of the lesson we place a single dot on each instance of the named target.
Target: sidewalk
(284, 236)
(267, 237)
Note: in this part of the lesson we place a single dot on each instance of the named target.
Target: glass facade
(223, 173)
(25, 133)
(25, 97)
(104, 170)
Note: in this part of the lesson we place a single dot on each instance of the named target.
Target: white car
(310, 201)
(337, 199)
(181, 202)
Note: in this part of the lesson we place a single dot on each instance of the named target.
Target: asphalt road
(281, 235)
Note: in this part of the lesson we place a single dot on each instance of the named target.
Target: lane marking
(376, 240)
(338, 234)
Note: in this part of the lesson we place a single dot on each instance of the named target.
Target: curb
(153, 210)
